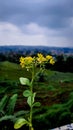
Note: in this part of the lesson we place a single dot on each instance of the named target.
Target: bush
(41, 77)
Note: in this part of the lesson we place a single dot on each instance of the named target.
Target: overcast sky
(36, 22)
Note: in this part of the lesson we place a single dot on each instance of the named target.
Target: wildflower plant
(30, 64)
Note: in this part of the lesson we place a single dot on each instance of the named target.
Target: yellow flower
(52, 61)
(28, 60)
(40, 58)
(22, 61)
(48, 57)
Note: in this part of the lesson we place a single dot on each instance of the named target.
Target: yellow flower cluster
(40, 58)
(50, 59)
(22, 61)
(28, 61)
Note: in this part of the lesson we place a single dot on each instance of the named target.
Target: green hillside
(14, 71)
(11, 71)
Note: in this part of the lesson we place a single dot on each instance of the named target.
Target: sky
(36, 22)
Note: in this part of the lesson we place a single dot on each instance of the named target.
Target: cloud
(46, 13)
(11, 34)
(36, 22)
(32, 35)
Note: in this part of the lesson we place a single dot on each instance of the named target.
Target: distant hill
(45, 49)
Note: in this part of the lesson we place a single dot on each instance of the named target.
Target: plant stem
(31, 108)
(31, 111)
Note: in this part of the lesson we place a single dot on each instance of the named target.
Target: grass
(11, 71)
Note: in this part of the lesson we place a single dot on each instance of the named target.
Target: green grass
(11, 71)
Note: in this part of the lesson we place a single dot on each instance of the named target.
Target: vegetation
(63, 61)
(54, 93)
(31, 63)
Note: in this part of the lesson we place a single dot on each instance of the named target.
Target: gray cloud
(46, 13)
(51, 14)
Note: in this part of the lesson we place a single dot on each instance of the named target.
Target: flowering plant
(31, 63)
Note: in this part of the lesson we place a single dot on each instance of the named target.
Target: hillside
(8, 68)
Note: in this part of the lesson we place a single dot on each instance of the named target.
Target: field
(54, 91)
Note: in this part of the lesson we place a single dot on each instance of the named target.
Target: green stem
(31, 89)
(31, 112)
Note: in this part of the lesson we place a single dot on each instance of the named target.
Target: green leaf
(21, 113)
(11, 104)
(34, 96)
(37, 104)
(27, 93)
(3, 102)
(19, 123)
(30, 99)
(25, 81)
(6, 117)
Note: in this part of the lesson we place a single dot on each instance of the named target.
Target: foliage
(64, 64)
(7, 112)
(41, 77)
(7, 106)
(8, 87)
(60, 114)
(3, 103)
(31, 63)
(11, 104)
(44, 116)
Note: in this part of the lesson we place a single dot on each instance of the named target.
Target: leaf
(33, 96)
(6, 117)
(19, 123)
(11, 104)
(37, 104)
(21, 113)
(3, 102)
(24, 81)
(27, 93)
(30, 99)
